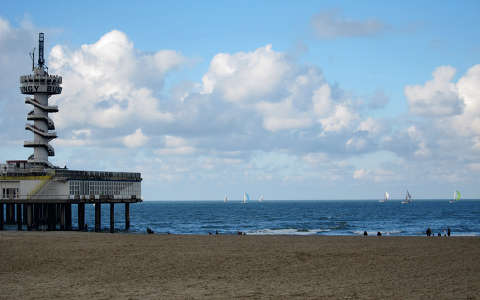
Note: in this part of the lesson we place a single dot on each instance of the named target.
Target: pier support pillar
(36, 216)
(112, 217)
(81, 216)
(12, 214)
(98, 216)
(62, 216)
(19, 216)
(29, 216)
(24, 214)
(68, 216)
(58, 213)
(9, 214)
(1, 216)
(51, 216)
(127, 216)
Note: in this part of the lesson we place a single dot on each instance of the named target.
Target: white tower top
(41, 86)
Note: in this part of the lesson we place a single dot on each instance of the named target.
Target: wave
(287, 231)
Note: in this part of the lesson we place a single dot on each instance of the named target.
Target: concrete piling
(1, 216)
(10, 212)
(62, 216)
(19, 216)
(24, 211)
(51, 216)
(36, 216)
(127, 216)
(81, 216)
(112, 217)
(29, 216)
(68, 216)
(98, 216)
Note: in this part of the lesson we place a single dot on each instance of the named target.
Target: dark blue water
(294, 217)
(298, 217)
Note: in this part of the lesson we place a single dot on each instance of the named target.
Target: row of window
(84, 187)
(10, 193)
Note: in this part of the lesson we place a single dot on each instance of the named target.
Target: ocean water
(297, 217)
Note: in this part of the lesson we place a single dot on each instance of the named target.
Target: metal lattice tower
(41, 85)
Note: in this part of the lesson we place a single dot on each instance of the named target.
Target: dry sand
(39, 265)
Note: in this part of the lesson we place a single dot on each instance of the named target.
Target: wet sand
(49, 265)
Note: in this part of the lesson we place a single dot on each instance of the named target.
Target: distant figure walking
(429, 231)
(149, 230)
(379, 233)
(448, 231)
(365, 233)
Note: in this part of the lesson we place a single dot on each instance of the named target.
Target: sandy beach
(66, 265)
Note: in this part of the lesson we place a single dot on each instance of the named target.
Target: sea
(297, 217)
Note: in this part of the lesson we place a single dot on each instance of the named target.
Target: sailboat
(245, 197)
(385, 198)
(408, 198)
(456, 197)
(260, 199)
(225, 199)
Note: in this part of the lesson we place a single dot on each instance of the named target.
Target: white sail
(245, 197)
(385, 198)
(408, 198)
(456, 197)
(225, 199)
(260, 199)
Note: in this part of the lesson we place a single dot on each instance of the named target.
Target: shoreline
(13, 228)
(44, 265)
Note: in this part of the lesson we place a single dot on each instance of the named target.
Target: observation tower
(40, 86)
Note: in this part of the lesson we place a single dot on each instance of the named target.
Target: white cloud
(437, 97)
(417, 136)
(360, 174)
(108, 82)
(322, 103)
(330, 24)
(356, 143)
(136, 139)
(468, 123)
(370, 125)
(333, 116)
(246, 76)
(174, 145)
(342, 118)
(282, 116)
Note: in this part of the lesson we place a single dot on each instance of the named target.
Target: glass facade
(96, 187)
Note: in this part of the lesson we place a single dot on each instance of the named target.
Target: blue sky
(309, 100)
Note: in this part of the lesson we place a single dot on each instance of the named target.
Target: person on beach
(429, 231)
(448, 231)
(365, 233)
(379, 233)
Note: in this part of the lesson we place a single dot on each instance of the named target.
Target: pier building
(35, 194)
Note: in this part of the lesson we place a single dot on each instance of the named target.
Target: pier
(36, 194)
(47, 203)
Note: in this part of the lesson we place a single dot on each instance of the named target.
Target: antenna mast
(32, 56)
(41, 60)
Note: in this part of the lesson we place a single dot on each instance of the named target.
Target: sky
(296, 100)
